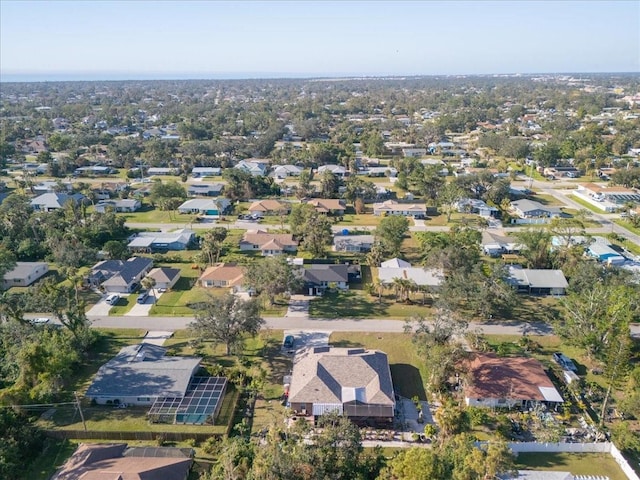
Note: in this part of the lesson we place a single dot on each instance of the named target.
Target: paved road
(336, 325)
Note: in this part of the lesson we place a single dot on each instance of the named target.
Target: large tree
(164, 194)
(227, 320)
(390, 233)
(271, 276)
(211, 244)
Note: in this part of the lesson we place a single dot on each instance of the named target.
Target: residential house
(537, 281)
(114, 461)
(24, 274)
(205, 206)
(48, 202)
(286, 171)
(328, 205)
(252, 167)
(496, 243)
(352, 382)
(163, 241)
(603, 252)
(380, 172)
(338, 170)
(222, 275)
(119, 276)
(421, 277)
(414, 152)
(140, 374)
(532, 209)
(164, 277)
(352, 243)
(94, 170)
(268, 244)
(205, 189)
(199, 172)
(607, 198)
(479, 207)
(391, 207)
(269, 207)
(318, 278)
(508, 382)
(124, 205)
(49, 186)
(160, 171)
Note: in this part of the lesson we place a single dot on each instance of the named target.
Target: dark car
(565, 362)
(289, 340)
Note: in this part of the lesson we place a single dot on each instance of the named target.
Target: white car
(113, 299)
(40, 320)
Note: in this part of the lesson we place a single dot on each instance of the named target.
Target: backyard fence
(139, 436)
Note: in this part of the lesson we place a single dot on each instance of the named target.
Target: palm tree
(149, 283)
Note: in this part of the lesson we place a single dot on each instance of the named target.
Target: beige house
(350, 381)
(222, 275)
(268, 244)
(269, 207)
(328, 205)
(165, 277)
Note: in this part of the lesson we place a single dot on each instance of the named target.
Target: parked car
(40, 321)
(565, 362)
(113, 299)
(289, 341)
(143, 297)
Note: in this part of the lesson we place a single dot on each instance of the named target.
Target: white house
(24, 274)
(391, 207)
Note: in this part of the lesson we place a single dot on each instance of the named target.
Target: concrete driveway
(308, 338)
(298, 306)
(101, 309)
(142, 309)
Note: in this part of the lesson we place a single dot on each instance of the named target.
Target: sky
(132, 39)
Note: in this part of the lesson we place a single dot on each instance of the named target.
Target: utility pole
(79, 407)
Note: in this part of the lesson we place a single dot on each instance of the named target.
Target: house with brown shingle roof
(351, 381)
(222, 275)
(268, 243)
(328, 205)
(116, 462)
(508, 382)
(269, 207)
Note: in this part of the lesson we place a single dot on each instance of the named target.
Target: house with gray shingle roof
(48, 202)
(165, 277)
(319, 277)
(24, 274)
(118, 276)
(139, 374)
(353, 382)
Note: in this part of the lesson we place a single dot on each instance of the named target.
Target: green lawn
(548, 200)
(358, 304)
(124, 305)
(585, 204)
(407, 369)
(149, 214)
(577, 463)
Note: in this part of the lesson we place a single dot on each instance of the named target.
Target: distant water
(106, 76)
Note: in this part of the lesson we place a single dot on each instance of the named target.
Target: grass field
(576, 463)
(407, 370)
(585, 204)
(52, 457)
(358, 304)
(124, 305)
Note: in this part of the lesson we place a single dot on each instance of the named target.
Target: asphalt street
(335, 325)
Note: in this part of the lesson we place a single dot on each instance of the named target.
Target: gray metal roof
(537, 278)
(143, 371)
(421, 276)
(22, 270)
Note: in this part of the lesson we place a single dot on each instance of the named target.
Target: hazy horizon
(132, 77)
